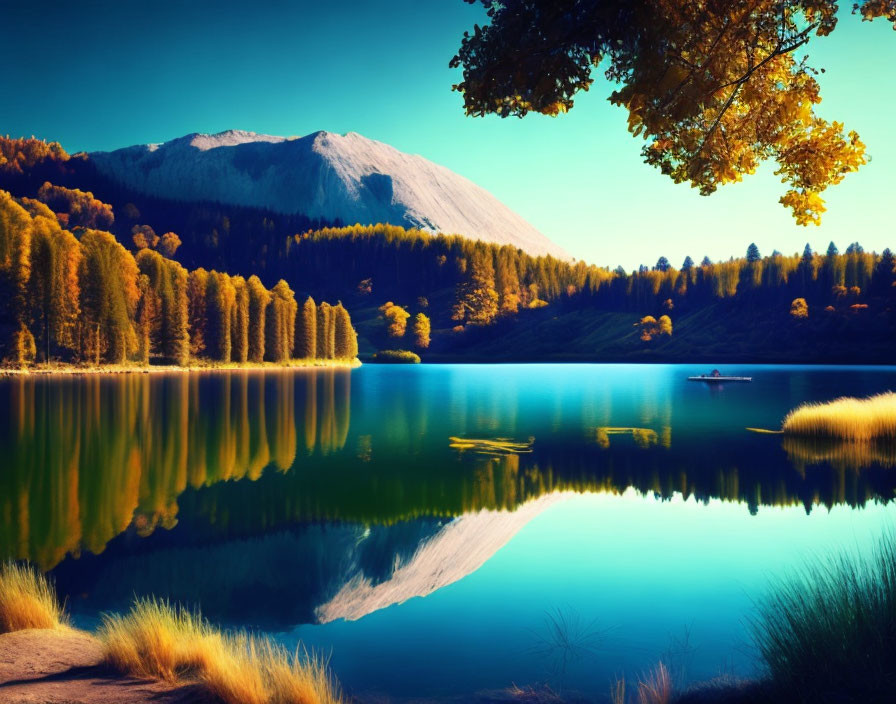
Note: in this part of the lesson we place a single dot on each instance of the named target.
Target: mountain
(325, 176)
(460, 548)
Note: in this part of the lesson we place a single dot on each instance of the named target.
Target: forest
(444, 296)
(81, 296)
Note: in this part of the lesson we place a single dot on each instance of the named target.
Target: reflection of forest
(89, 456)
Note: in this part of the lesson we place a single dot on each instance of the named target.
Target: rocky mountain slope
(346, 178)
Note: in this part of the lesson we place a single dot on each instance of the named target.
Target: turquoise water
(444, 529)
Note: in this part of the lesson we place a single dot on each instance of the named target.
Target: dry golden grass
(655, 687)
(159, 641)
(27, 600)
(853, 419)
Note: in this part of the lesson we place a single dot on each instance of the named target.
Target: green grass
(828, 633)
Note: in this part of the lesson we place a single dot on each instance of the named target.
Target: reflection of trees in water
(844, 455)
(88, 456)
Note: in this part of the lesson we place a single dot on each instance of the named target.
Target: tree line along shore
(81, 297)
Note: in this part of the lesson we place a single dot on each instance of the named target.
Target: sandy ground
(63, 667)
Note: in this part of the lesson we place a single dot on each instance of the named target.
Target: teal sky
(101, 75)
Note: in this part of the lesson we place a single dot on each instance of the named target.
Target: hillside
(325, 176)
(452, 298)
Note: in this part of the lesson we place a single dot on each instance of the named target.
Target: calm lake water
(443, 529)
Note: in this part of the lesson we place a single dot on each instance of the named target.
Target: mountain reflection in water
(278, 498)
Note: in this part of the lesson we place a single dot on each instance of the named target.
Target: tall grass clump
(853, 419)
(654, 687)
(27, 599)
(829, 632)
(160, 641)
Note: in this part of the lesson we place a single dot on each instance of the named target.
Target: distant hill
(322, 176)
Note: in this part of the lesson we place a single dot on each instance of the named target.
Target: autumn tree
(477, 299)
(346, 340)
(396, 319)
(220, 298)
(421, 331)
(109, 296)
(665, 325)
(144, 237)
(54, 288)
(713, 88)
(169, 243)
(76, 208)
(326, 331)
(239, 321)
(280, 323)
(259, 299)
(197, 283)
(17, 343)
(799, 309)
(167, 283)
(306, 330)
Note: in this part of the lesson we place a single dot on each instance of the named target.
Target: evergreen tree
(687, 264)
(662, 264)
(753, 255)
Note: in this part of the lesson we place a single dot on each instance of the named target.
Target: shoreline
(114, 369)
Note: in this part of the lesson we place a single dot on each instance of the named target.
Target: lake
(443, 529)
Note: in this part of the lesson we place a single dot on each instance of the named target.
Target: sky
(103, 74)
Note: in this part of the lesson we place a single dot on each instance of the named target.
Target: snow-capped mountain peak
(347, 178)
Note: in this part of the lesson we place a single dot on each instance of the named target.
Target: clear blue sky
(101, 74)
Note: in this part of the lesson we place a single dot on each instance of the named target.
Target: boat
(717, 376)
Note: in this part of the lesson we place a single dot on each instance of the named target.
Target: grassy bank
(199, 366)
(157, 641)
(828, 632)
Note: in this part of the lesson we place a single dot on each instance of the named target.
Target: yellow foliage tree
(396, 319)
(714, 88)
(421, 331)
(799, 309)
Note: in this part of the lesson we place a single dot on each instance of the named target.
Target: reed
(852, 419)
(654, 687)
(160, 641)
(27, 599)
(828, 632)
